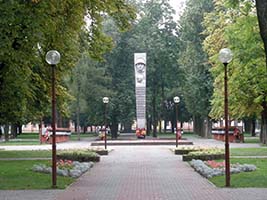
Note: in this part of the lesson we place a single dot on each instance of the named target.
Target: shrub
(78, 155)
(99, 151)
(204, 154)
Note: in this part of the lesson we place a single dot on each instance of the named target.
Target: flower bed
(78, 155)
(209, 170)
(208, 154)
(66, 168)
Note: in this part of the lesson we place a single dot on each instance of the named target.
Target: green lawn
(33, 139)
(25, 154)
(15, 175)
(251, 140)
(28, 136)
(256, 179)
(260, 151)
(74, 136)
(172, 135)
(23, 142)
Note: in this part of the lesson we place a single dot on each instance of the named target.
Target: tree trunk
(199, 126)
(148, 125)
(165, 125)
(14, 131)
(6, 130)
(207, 128)
(127, 127)
(162, 104)
(1, 133)
(250, 125)
(114, 130)
(261, 6)
(154, 128)
(78, 118)
(253, 131)
(60, 121)
(40, 131)
(154, 114)
(160, 126)
(19, 129)
(264, 123)
(247, 125)
(173, 125)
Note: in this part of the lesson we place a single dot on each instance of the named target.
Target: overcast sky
(178, 5)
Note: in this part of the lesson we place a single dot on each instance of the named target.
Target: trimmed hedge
(102, 152)
(78, 155)
(204, 157)
(183, 151)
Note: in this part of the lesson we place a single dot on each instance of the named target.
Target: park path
(149, 173)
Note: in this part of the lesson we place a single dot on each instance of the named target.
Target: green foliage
(197, 85)
(28, 30)
(78, 155)
(247, 83)
(88, 84)
(153, 33)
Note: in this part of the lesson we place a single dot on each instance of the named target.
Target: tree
(247, 82)
(197, 86)
(153, 33)
(261, 7)
(31, 28)
(158, 37)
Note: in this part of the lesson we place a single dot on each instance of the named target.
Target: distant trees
(197, 80)
(237, 29)
(28, 30)
(182, 60)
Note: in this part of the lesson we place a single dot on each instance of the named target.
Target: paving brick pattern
(149, 173)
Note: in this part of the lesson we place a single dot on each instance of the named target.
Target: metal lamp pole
(225, 56)
(105, 101)
(176, 100)
(53, 58)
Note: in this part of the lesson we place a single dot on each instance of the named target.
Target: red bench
(62, 135)
(235, 134)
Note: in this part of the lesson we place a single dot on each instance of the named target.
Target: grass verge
(25, 154)
(19, 143)
(74, 136)
(260, 151)
(252, 140)
(17, 175)
(257, 179)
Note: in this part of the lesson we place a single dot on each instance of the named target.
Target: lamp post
(225, 56)
(105, 101)
(176, 100)
(52, 58)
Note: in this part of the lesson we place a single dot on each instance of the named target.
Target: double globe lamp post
(52, 58)
(225, 56)
(176, 100)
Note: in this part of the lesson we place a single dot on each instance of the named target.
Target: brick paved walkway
(149, 173)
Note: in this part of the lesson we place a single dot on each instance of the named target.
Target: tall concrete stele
(140, 93)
